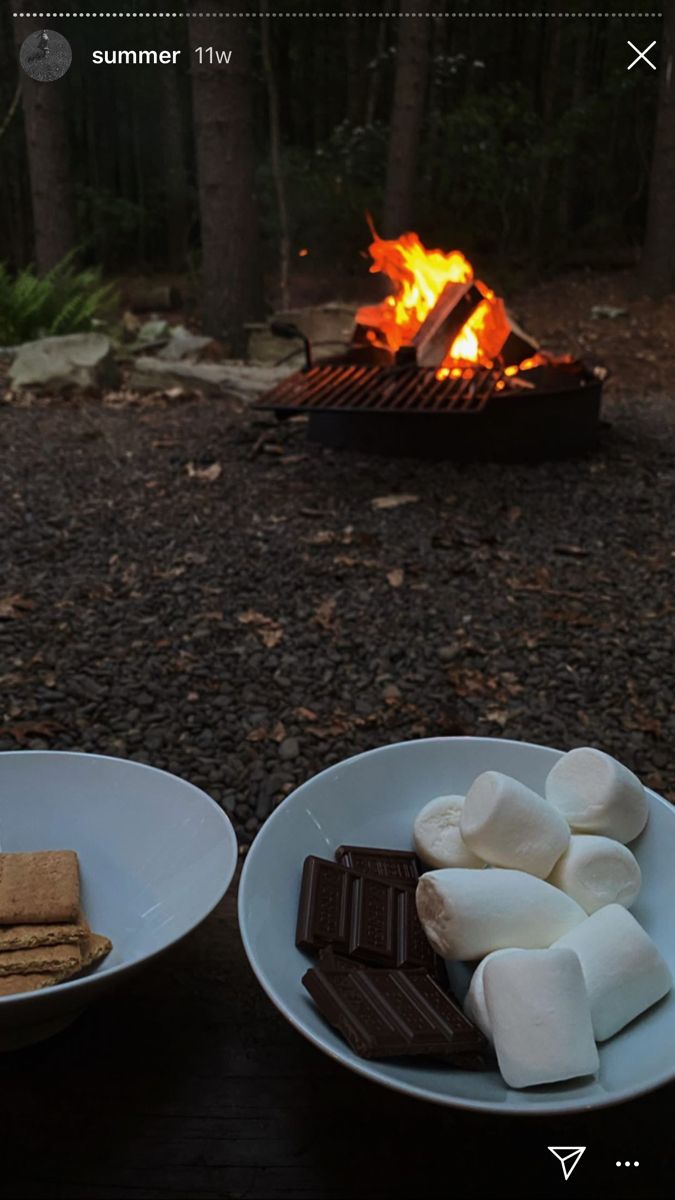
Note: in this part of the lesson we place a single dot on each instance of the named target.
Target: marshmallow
(436, 834)
(623, 970)
(597, 794)
(467, 914)
(596, 871)
(540, 1017)
(475, 1007)
(508, 825)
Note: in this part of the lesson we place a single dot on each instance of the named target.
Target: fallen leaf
(24, 730)
(322, 537)
(268, 630)
(169, 572)
(257, 735)
(347, 560)
(289, 459)
(572, 551)
(305, 714)
(204, 474)
(394, 501)
(325, 613)
(396, 577)
(498, 715)
(14, 606)
(279, 732)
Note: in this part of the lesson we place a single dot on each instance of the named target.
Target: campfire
(437, 306)
(441, 343)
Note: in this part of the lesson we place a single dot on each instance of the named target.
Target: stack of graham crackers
(44, 936)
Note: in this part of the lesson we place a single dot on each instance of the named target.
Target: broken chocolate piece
(396, 866)
(324, 911)
(414, 948)
(384, 1013)
(374, 933)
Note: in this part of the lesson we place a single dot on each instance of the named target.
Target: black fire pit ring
(548, 412)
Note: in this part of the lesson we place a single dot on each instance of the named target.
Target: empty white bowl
(372, 800)
(156, 855)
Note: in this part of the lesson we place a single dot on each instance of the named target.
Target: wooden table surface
(188, 1083)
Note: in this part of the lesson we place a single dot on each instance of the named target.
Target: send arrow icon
(568, 1157)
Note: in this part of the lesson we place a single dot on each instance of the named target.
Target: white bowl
(372, 800)
(156, 855)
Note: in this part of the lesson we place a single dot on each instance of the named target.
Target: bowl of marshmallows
(547, 885)
(561, 962)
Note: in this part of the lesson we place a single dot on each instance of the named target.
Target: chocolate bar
(383, 1013)
(325, 907)
(374, 933)
(367, 919)
(396, 866)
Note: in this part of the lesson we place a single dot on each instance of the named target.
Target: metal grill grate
(358, 388)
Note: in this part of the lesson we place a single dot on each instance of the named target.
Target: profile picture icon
(45, 55)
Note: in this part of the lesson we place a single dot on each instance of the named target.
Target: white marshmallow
(474, 1001)
(624, 971)
(597, 794)
(508, 825)
(540, 1017)
(596, 871)
(467, 914)
(436, 834)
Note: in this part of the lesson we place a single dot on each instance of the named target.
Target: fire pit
(439, 369)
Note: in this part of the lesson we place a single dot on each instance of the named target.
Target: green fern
(64, 300)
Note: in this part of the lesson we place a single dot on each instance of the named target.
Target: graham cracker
(39, 888)
(65, 959)
(26, 937)
(93, 948)
(14, 984)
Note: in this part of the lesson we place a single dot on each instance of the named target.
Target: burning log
(447, 318)
(518, 345)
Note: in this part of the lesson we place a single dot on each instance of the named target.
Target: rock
(154, 330)
(447, 653)
(289, 748)
(80, 360)
(328, 326)
(183, 344)
(213, 379)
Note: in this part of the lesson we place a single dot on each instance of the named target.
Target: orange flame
(419, 276)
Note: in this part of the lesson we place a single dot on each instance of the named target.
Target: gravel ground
(249, 629)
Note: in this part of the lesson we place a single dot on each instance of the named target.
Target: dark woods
(526, 143)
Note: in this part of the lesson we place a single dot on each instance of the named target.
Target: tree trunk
(658, 262)
(355, 47)
(173, 145)
(47, 144)
(568, 177)
(550, 63)
(412, 69)
(275, 153)
(375, 71)
(223, 127)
